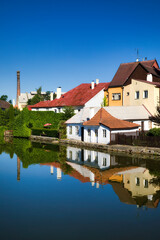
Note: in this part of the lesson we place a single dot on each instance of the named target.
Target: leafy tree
(11, 117)
(37, 98)
(68, 112)
(47, 95)
(156, 117)
(4, 97)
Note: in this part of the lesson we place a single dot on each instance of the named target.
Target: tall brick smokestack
(18, 87)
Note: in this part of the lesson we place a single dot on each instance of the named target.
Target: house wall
(96, 101)
(93, 138)
(74, 135)
(150, 103)
(115, 102)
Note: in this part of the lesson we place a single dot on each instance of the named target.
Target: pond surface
(57, 192)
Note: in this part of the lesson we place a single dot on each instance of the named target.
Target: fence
(140, 139)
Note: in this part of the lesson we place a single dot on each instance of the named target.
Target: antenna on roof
(137, 60)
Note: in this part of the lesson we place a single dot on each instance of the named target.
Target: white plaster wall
(147, 124)
(96, 101)
(74, 135)
(125, 131)
(93, 139)
(76, 154)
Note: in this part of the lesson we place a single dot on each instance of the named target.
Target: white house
(134, 114)
(84, 95)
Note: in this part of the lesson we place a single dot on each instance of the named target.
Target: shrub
(45, 132)
(32, 119)
(62, 130)
(154, 132)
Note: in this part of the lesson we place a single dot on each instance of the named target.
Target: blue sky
(66, 43)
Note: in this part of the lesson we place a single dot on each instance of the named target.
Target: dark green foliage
(154, 132)
(156, 117)
(62, 130)
(39, 97)
(7, 116)
(45, 132)
(4, 97)
(32, 119)
(68, 112)
(11, 117)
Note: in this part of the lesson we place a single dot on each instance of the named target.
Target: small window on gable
(127, 93)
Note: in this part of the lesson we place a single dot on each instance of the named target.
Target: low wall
(116, 148)
(42, 139)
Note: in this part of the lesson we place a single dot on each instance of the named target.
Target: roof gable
(125, 70)
(106, 119)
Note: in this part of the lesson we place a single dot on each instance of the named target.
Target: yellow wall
(150, 103)
(115, 102)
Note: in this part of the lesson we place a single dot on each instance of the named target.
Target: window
(70, 129)
(145, 183)
(104, 133)
(55, 110)
(77, 130)
(70, 155)
(116, 96)
(104, 161)
(89, 132)
(89, 158)
(127, 93)
(145, 94)
(96, 132)
(137, 181)
(137, 95)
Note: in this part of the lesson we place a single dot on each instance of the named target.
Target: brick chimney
(18, 87)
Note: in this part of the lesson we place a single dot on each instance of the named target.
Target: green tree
(156, 117)
(47, 96)
(11, 117)
(37, 98)
(4, 97)
(68, 112)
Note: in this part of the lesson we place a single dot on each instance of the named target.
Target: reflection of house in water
(92, 158)
(18, 168)
(135, 187)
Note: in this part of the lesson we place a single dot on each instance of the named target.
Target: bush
(154, 132)
(62, 130)
(32, 119)
(45, 132)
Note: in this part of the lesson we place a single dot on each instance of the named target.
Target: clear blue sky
(69, 42)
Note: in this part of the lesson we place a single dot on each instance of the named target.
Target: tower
(18, 87)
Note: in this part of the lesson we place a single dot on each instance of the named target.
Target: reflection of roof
(77, 96)
(74, 173)
(103, 117)
(126, 69)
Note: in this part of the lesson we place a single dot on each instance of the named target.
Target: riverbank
(127, 149)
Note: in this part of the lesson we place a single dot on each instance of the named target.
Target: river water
(57, 192)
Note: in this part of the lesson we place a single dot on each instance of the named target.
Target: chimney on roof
(59, 92)
(149, 77)
(51, 96)
(97, 81)
(18, 87)
(92, 85)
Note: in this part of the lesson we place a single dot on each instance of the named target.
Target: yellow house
(125, 73)
(141, 92)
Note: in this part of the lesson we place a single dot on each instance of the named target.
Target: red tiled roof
(126, 69)
(4, 104)
(78, 96)
(103, 117)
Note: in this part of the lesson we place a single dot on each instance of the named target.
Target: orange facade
(114, 96)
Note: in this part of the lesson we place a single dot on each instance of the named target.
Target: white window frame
(104, 133)
(144, 94)
(137, 94)
(116, 96)
(77, 130)
(70, 130)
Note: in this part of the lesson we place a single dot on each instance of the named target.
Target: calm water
(68, 193)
